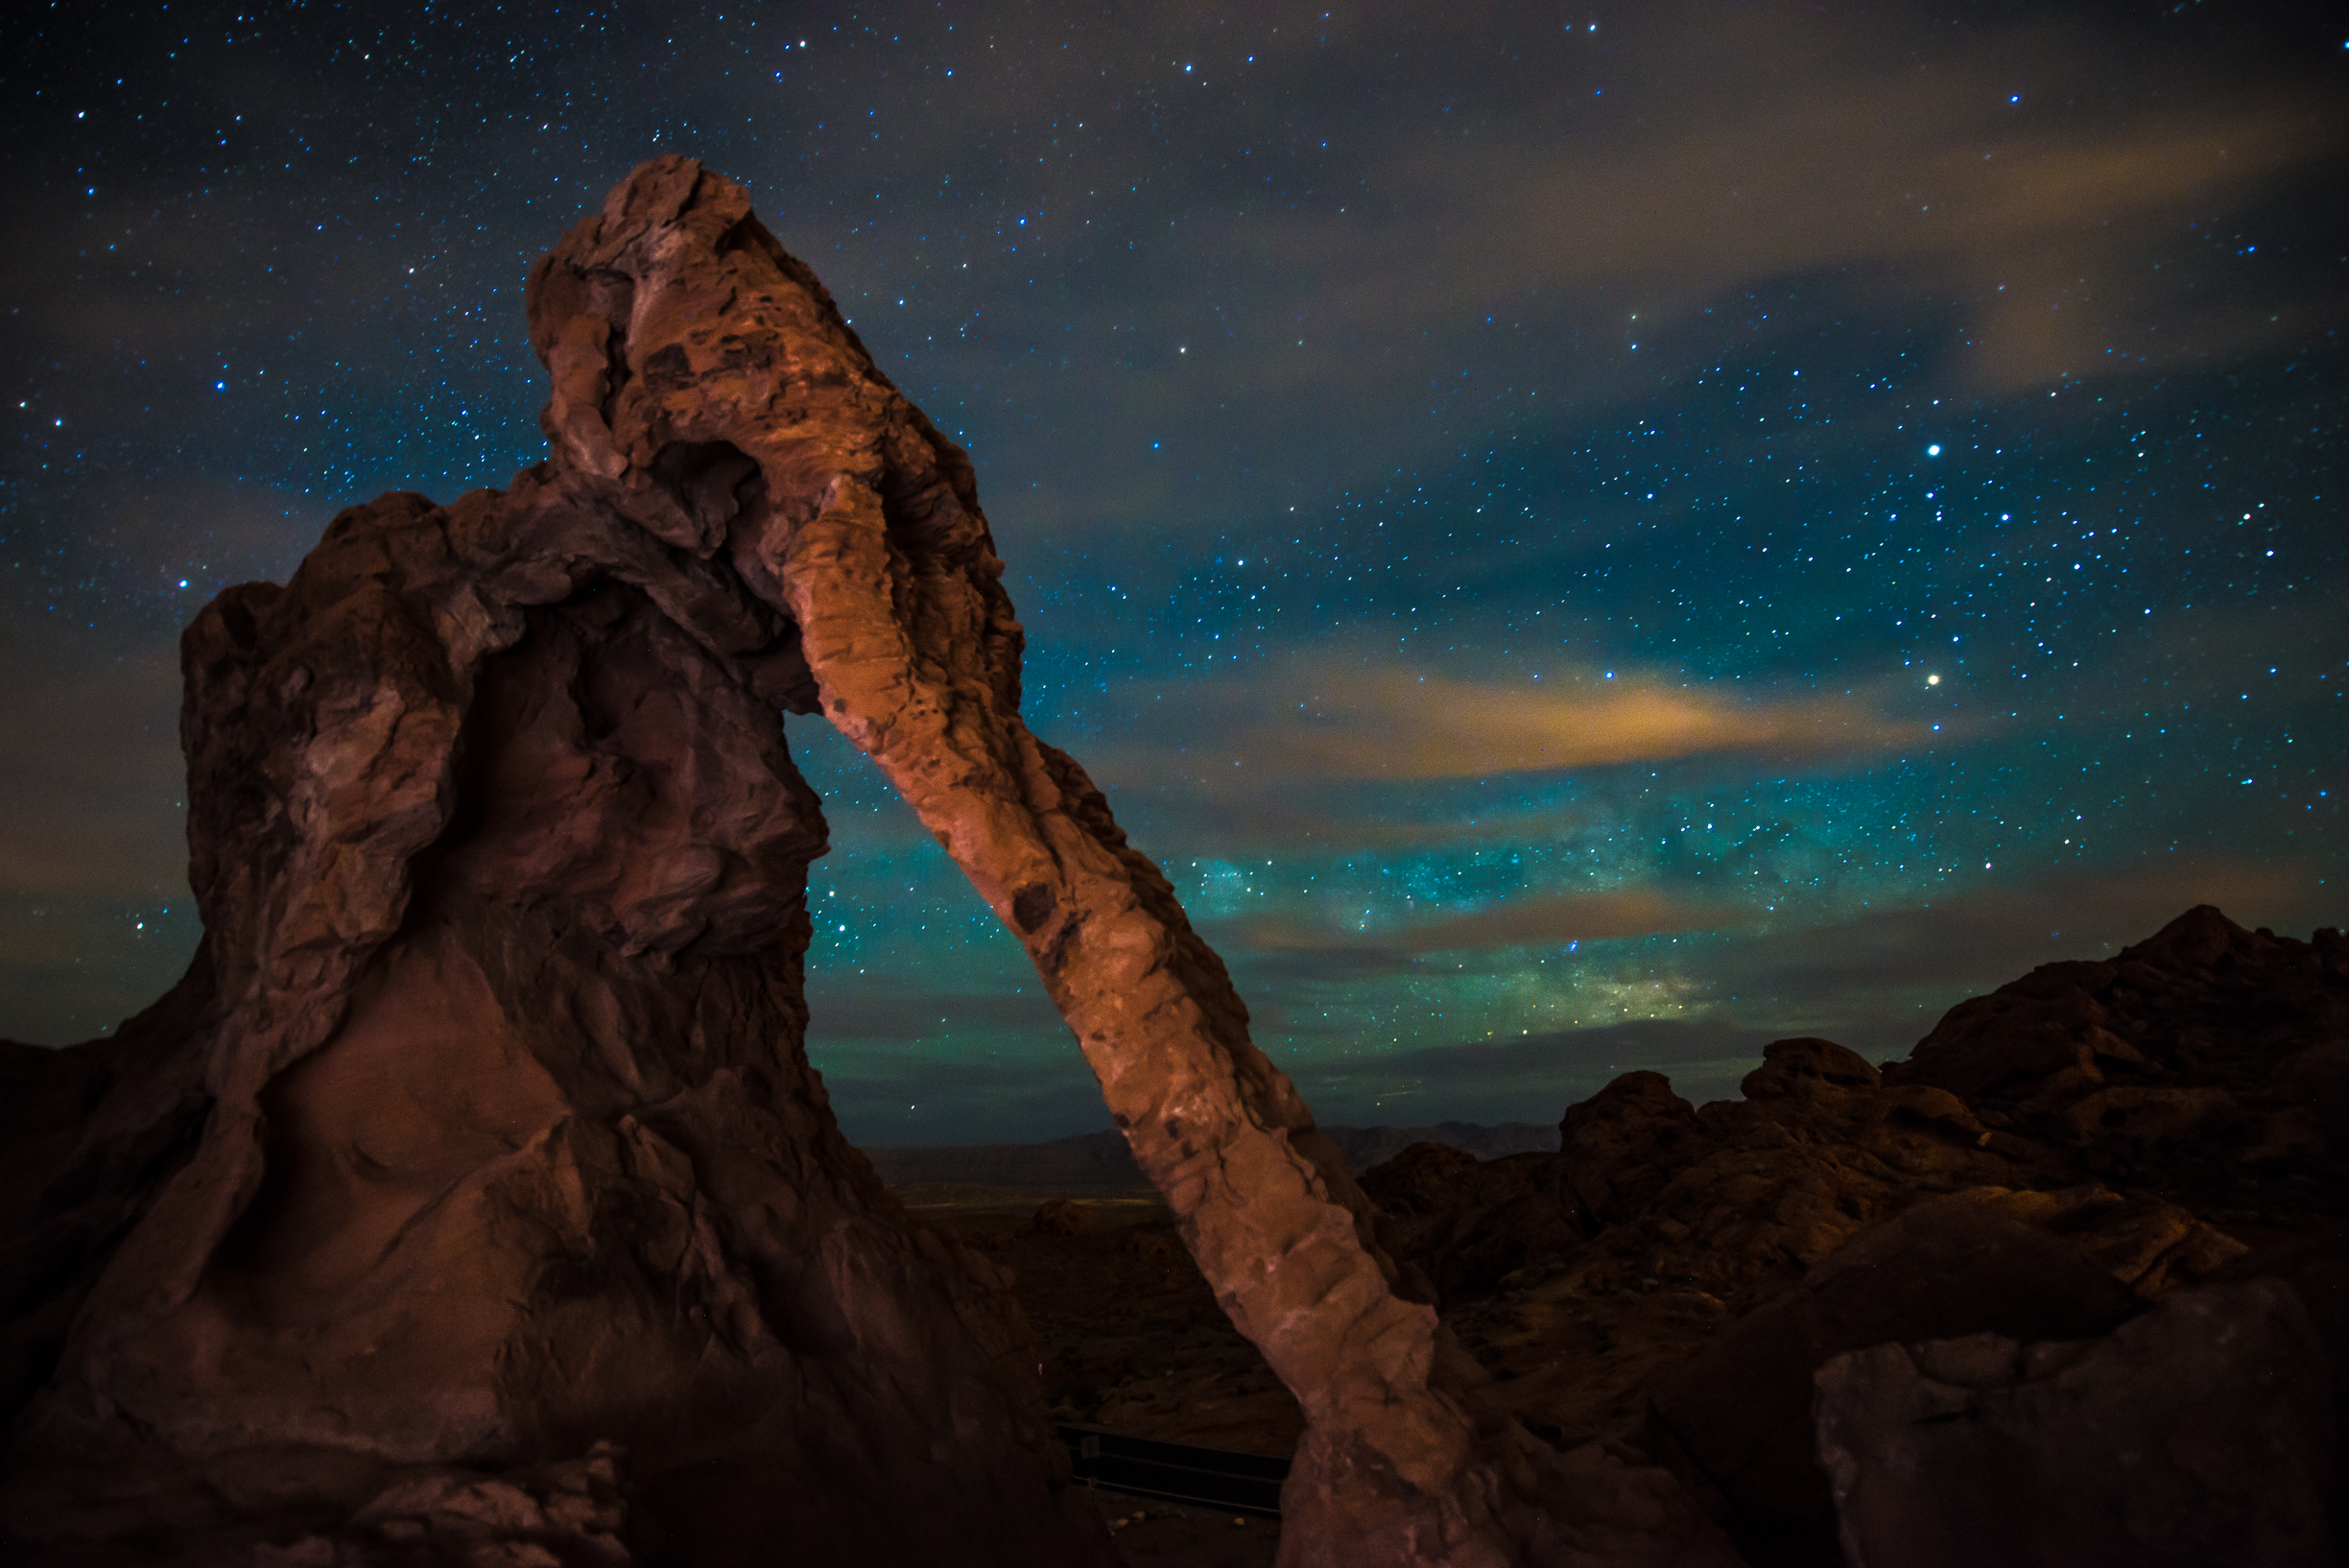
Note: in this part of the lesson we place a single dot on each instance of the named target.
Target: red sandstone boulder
(2201, 1004)
(1739, 1413)
(1618, 1148)
(2192, 1434)
(1808, 1068)
(1425, 1179)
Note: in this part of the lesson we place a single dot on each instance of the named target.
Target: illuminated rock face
(515, 1213)
(511, 1149)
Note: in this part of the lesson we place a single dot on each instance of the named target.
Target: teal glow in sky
(1580, 541)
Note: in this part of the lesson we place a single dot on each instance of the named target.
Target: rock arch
(515, 1213)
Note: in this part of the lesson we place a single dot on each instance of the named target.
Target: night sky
(1580, 537)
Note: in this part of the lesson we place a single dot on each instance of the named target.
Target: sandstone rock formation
(2052, 1158)
(2206, 1041)
(473, 1195)
(1741, 1411)
(2194, 1434)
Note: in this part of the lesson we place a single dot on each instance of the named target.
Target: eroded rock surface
(473, 1198)
(2199, 1432)
(479, 1146)
(1741, 1411)
(2054, 1157)
(2204, 1043)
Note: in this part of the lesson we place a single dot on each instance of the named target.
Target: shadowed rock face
(2203, 1032)
(2054, 1158)
(2195, 1434)
(474, 1186)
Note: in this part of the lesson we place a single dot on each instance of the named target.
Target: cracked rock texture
(472, 1199)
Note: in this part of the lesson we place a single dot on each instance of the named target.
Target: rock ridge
(2052, 1161)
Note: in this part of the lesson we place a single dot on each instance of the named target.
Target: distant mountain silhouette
(1102, 1159)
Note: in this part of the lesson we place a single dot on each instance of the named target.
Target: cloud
(1718, 171)
(928, 1098)
(1396, 726)
(1759, 144)
(92, 782)
(1324, 718)
(1565, 917)
(1879, 979)
(1550, 920)
(95, 850)
(872, 1013)
(1876, 980)
(1997, 933)
(1531, 1077)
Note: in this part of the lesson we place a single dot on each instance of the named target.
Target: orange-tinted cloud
(1558, 918)
(1397, 725)
(2050, 236)
(1301, 719)
(1548, 920)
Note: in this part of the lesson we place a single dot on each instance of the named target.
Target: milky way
(1579, 541)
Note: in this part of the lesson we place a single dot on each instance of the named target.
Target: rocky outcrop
(1740, 1413)
(2206, 1044)
(473, 1199)
(2052, 1161)
(2199, 1433)
(474, 1188)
